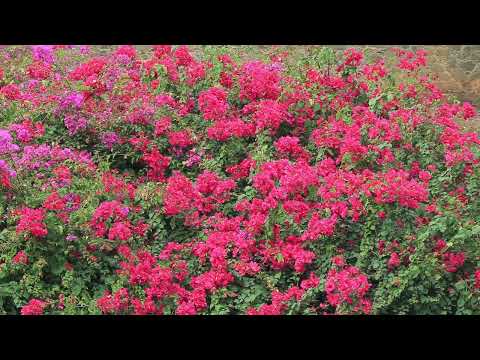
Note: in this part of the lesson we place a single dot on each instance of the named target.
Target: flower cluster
(347, 285)
(31, 222)
(453, 261)
(155, 181)
(34, 307)
(27, 131)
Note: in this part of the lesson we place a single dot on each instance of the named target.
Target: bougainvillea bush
(167, 183)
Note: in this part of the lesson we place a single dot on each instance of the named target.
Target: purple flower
(5, 168)
(43, 53)
(109, 139)
(177, 151)
(30, 84)
(6, 145)
(35, 157)
(71, 237)
(276, 66)
(76, 98)
(75, 124)
(123, 59)
(71, 199)
(22, 132)
(73, 99)
(193, 159)
(84, 49)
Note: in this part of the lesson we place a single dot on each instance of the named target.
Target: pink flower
(162, 125)
(394, 261)
(11, 92)
(120, 231)
(259, 81)
(186, 308)
(469, 110)
(180, 138)
(440, 245)
(453, 261)
(34, 307)
(115, 303)
(338, 261)
(183, 56)
(126, 50)
(31, 221)
(477, 279)
(213, 103)
(312, 282)
(20, 258)
(348, 286)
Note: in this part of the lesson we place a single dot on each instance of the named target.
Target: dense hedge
(177, 185)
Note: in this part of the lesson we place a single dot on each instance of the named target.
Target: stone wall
(457, 67)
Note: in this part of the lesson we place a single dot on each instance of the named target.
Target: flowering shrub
(166, 183)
